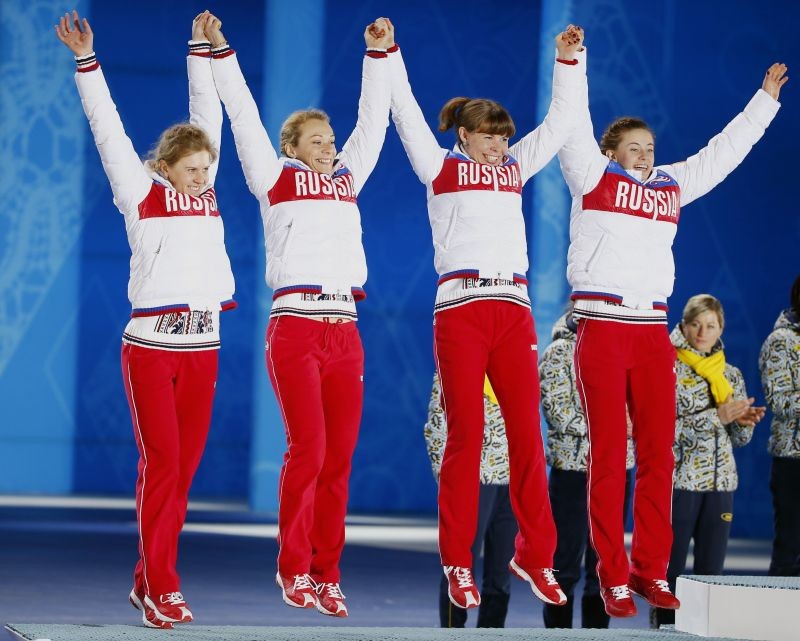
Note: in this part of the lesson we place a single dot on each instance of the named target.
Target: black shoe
(493, 610)
(558, 616)
(660, 616)
(449, 615)
(593, 612)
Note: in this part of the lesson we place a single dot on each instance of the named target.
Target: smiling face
(316, 146)
(488, 149)
(189, 174)
(703, 331)
(636, 151)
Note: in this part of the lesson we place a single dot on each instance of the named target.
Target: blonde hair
(476, 115)
(290, 129)
(178, 141)
(700, 304)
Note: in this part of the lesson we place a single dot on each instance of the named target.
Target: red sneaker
(618, 601)
(167, 608)
(151, 620)
(542, 581)
(461, 587)
(149, 617)
(298, 591)
(330, 600)
(655, 591)
(136, 599)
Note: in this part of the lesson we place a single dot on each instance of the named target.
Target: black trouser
(495, 534)
(705, 517)
(568, 500)
(784, 483)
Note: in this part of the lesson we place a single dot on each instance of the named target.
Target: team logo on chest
(658, 199)
(164, 202)
(304, 184)
(464, 175)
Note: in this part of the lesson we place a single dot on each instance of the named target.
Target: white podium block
(739, 607)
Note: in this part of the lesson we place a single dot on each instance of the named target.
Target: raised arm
(360, 152)
(205, 110)
(260, 163)
(702, 172)
(129, 180)
(536, 149)
(582, 162)
(421, 146)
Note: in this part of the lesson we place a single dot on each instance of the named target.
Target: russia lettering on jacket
(165, 202)
(658, 200)
(466, 175)
(304, 184)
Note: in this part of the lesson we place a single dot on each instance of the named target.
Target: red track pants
(497, 339)
(316, 370)
(170, 395)
(615, 362)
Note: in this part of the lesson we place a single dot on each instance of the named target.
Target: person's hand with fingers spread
(76, 34)
(774, 79)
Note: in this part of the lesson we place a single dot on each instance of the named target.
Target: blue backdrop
(686, 67)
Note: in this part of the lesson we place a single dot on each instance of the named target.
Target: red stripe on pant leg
(342, 397)
(148, 377)
(461, 350)
(600, 366)
(513, 372)
(294, 357)
(652, 384)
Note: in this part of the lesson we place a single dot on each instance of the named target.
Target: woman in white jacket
(482, 316)
(624, 218)
(180, 281)
(317, 269)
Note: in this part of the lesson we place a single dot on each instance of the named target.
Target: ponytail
(448, 116)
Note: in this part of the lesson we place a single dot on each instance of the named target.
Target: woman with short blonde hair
(713, 416)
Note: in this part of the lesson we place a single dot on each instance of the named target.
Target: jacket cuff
(200, 48)
(375, 53)
(222, 51)
(87, 62)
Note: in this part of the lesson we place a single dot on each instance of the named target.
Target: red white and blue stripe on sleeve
(87, 62)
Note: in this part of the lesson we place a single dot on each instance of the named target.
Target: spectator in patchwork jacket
(713, 416)
(779, 363)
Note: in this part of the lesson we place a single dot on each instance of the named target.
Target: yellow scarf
(711, 368)
(488, 391)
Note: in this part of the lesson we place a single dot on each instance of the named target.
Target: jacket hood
(788, 319)
(679, 342)
(565, 327)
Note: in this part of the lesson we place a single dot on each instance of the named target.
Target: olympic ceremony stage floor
(66, 564)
